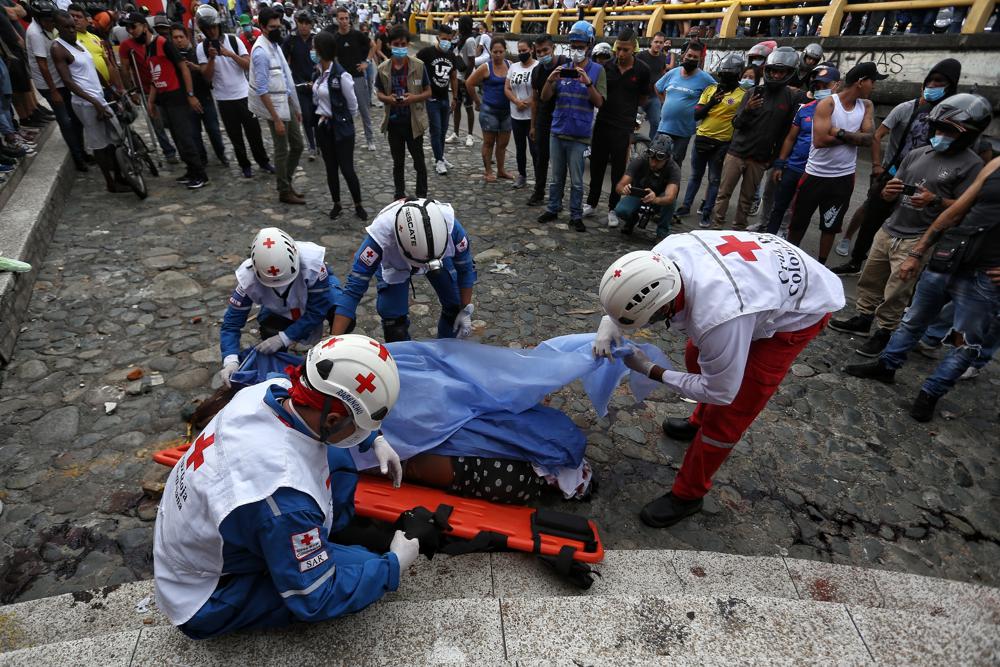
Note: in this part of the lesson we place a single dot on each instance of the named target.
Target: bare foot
(505, 175)
(489, 177)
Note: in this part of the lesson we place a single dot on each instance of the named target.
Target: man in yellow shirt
(106, 66)
(716, 109)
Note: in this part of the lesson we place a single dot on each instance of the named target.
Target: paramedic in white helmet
(749, 304)
(242, 533)
(412, 237)
(295, 290)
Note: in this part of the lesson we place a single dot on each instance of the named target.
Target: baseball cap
(132, 18)
(825, 74)
(244, 19)
(661, 145)
(865, 70)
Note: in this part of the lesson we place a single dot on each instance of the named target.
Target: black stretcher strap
(561, 524)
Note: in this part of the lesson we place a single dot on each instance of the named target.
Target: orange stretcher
(540, 531)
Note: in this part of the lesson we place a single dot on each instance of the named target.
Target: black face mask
(689, 65)
(141, 39)
(274, 35)
(524, 57)
(729, 80)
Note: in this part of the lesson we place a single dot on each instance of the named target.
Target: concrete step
(635, 584)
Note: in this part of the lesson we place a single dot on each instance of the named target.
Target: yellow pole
(731, 20)
(978, 16)
(412, 25)
(833, 18)
(656, 21)
(599, 22)
(552, 27)
(515, 25)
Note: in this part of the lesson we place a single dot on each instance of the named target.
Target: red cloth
(303, 395)
(722, 426)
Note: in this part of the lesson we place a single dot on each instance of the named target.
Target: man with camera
(653, 180)
(929, 181)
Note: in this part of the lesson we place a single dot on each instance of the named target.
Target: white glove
(463, 322)
(229, 366)
(273, 344)
(639, 362)
(607, 333)
(388, 460)
(406, 549)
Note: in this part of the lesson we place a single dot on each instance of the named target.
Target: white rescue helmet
(275, 257)
(637, 285)
(421, 232)
(358, 371)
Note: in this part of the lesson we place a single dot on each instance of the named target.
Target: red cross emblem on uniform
(331, 342)
(274, 271)
(197, 456)
(307, 539)
(268, 243)
(743, 248)
(369, 253)
(365, 383)
(383, 352)
(618, 273)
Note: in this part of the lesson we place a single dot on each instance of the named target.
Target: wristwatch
(841, 133)
(190, 94)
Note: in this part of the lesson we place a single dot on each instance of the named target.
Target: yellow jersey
(718, 124)
(92, 43)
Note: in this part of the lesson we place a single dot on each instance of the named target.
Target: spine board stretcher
(539, 531)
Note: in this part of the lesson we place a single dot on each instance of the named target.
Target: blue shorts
(492, 119)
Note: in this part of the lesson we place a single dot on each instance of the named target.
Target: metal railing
(730, 13)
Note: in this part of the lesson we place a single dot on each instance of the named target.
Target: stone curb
(27, 222)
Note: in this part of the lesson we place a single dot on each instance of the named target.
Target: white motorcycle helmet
(275, 257)
(358, 371)
(421, 232)
(636, 286)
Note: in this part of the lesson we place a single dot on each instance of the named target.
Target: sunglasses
(658, 155)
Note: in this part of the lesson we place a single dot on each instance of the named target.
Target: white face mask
(578, 55)
(353, 440)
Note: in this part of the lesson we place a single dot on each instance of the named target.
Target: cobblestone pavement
(834, 469)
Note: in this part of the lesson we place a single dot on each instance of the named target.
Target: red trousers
(722, 426)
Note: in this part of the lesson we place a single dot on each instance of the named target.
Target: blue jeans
(783, 197)
(807, 25)
(438, 113)
(210, 119)
(710, 155)
(977, 303)
(6, 100)
(936, 333)
(393, 301)
(566, 155)
(652, 111)
(69, 126)
(628, 209)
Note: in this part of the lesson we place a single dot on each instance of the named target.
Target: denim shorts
(492, 119)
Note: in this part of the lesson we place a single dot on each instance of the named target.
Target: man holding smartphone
(653, 180)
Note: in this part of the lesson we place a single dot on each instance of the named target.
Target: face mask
(141, 38)
(444, 45)
(578, 55)
(248, 29)
(728, 80)
(747, 84)
(933, 94)
(941, 143)
(399, 52)
(313, 56)
(756, 63)
(689, 65)
(822, 94)
(524, 57)
(274, 35)
(545, 60)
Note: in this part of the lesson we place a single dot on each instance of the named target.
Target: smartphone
(569, 73)
(909, 190)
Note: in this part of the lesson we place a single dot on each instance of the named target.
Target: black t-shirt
(538, 77)
(643, 175)
(439, 65)
(656, 64)
(352, 49)
(296, 52)
(986, 211)
(624, 90)
(201, 86)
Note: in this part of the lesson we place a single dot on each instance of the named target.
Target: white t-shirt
(363, 15)
(39, 46)
(229, 81)
(520, 84)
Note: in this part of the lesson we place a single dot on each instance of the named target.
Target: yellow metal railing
(730, 13)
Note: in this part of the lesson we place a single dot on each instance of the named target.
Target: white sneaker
(588, 210)
(843, 247)
(312, 154)
(969, 373)
(612, 219)
(371, 146)
(448, 164)
(378, 104)
(451, 138)
(469, 141)
(440, 168)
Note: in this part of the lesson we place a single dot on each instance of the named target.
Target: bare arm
(865, 136)
(789, 144)
(880, 134)
(824, 134)
(472, 81)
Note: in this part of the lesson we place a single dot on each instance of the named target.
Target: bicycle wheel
(143, 151)
(131, 169)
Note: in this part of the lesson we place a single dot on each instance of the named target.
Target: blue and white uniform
(242, 533)
(307, 301)
(380, 256)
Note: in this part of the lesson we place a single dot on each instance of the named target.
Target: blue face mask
(444, 45)
(314, 56)
(399, 52)
(822, 94)
(747, 84)
(933, 94)
(545, 60)
(941, 143)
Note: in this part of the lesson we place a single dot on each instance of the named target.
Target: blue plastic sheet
(467, 399)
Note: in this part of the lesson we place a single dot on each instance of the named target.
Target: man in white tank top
(842, 123)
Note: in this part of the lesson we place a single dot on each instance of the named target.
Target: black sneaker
(536, 200)
(269, 168)
(577, 225)
(684, 210)
(679, 429)
(874, 345)
(627, 228)
(247, 172)
(849, 269)
(667, 510)
(872, 370)
(859, 324)
(360, 211)
(335, 211)
(197, 182)
(923, 407)
(184, 179)
(547, 216)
